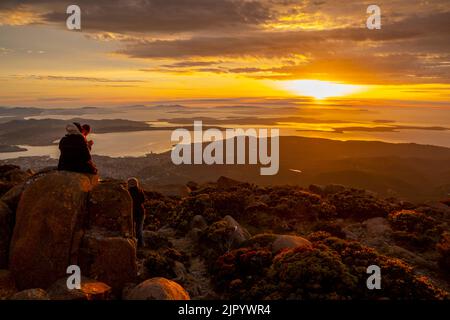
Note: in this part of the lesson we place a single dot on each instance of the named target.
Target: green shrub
(444, 249)
(358, 205)
(415, 228)
(411, 221)
(331, 227)
(215, 241)
(229, 203)
(161, 263)
(158, 266)
(158, 213)
(398, 279)
(189, 207)
(312, 273)
(156, 241)
(333, 268)
(238, 270)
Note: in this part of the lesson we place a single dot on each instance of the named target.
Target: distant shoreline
(4, 148)
(11, 148)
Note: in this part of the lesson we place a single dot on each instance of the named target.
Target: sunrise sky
(137, 51)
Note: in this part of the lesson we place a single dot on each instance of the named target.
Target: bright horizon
(237, 49)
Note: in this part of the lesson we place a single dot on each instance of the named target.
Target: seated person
(75, 155)
(85, 130)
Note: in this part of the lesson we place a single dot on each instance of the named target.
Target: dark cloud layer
(412, 46)
(152, 15)
(413, 50)
(73, 78)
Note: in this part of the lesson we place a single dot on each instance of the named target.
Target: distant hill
(412, 171)
(408, 171)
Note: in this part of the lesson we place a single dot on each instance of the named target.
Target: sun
(319, 89)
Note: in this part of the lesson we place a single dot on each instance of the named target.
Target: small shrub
(415, 228)
(444, 249)
(263, 240)
(189, 207)
(316, 273)
(398, 279)
(161, 263)
(228, 203)
(331, 227)
(158, 266)
(215, 240)
(332, 269)
(156, 241)
(238, 270)
(358, 205)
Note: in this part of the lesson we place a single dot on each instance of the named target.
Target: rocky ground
(223, 240)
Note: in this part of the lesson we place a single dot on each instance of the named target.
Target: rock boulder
(288, 241)
(333, 188)
(109, 208)
(49, 219)
(31, 294)
(10, 176)
(12, 197)
(377, 227)
(6, 228)
(7, 284)
(227, 183)
(66, 218)
(90, 290)
(240, 234)
(199, 222)
(157, 289)
(108, 258)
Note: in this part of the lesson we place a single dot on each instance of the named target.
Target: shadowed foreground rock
(31, 294)
(90, 290)
(7, 284)
(157, 289)
(66, 218)
(50, 212)
(6, 224)
(11, 175)
(110, 259)
(104, 197)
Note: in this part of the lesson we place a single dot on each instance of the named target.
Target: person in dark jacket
(75, 155)
(85, 130)
(138, 197)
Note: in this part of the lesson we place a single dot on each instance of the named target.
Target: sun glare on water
(319, 89)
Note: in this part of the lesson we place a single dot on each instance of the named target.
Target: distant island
(7, 148)
(44, 132)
